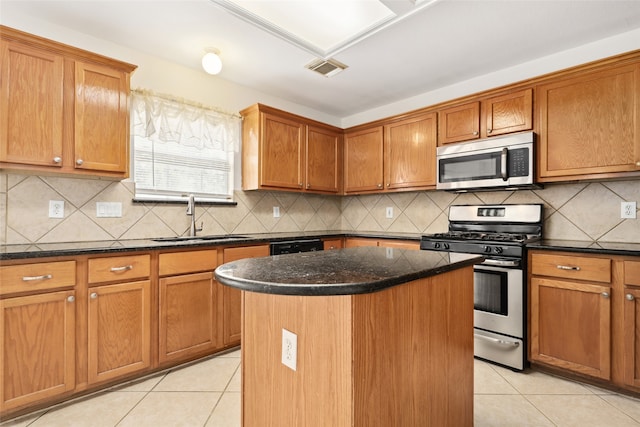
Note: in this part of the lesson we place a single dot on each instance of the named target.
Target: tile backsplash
(578, 211)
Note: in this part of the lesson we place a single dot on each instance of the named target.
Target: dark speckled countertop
(609, 248)
(337, 272)
(43, 250)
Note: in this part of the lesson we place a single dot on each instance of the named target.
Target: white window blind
(181, 148)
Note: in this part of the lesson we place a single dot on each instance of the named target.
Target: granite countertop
(42, 250)
(609, 248)
(338, 272)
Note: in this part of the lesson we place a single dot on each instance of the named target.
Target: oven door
(499, 298)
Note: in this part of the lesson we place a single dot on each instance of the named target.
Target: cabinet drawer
(40, 276)
(188, 262)
(110, 269)
(572, 267)
(632, 273)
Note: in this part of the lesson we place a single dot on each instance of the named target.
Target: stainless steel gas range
(500, 233)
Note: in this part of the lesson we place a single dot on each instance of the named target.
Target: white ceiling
(447, 42)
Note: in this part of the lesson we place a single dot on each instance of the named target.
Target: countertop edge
(339, 288)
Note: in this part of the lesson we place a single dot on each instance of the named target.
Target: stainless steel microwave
(505, 162)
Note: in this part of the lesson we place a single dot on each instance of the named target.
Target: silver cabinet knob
(638, 164)
(71, 298)
(605, 294)
(79, 162)
(489, 130)
(629, 297)
(475, 133)
(57, 160)
(308, 185)
(94, 295)
(379, 185)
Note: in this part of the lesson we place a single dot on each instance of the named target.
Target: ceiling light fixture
(211, 61)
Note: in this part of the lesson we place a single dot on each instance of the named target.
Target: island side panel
(319, 392)
(413, 353)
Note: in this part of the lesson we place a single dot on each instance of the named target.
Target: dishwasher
(295, 246)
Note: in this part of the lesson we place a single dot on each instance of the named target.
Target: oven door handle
(501, 262)
(503, 164)
(498, 341)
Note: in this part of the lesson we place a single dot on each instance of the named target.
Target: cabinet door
(232, 298)
(571, 326)
(590, 124)
(37, 360)
(459, 123)
(323, 160)
(508, 113)
(632, 336)
(101, 118)
(363, 160)
(281, 152)
(119, 330)
(410, 153)
(188, 307)
(31, 114)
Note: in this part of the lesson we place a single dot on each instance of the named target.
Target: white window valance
(167, 119)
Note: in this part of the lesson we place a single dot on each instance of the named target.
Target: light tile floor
(207, 394)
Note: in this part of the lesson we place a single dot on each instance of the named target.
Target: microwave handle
(503, 164)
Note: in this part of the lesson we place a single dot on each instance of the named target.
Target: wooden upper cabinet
(498, 115)
(101, 118)
(508, 113)
(410, 153)
(282, 151)
(590, 124)
(63, 109)
(31, 114)
(323, 160)
(363, 160)
(459, 123)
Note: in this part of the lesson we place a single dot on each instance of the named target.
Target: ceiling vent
(326, 67)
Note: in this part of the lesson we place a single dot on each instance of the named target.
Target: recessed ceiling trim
(287, 36)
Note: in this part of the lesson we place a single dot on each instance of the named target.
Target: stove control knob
(446, 245)
(436, 245)
(498, 250)
(487, 249)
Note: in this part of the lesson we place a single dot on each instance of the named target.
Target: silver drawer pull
(568, 267)
(605, 294)
(123, 268)
(629, 297)
(71, 298)
(34, 278)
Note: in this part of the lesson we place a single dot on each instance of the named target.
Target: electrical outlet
(628, 210)
(56, 209)
(276, 211)
(390, 212)
(289, 349)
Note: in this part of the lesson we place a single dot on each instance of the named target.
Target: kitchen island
(364, 336)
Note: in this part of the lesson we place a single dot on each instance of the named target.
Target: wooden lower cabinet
(37, 361)
(352, 242)
(119, 327)
(330, 244)
(571, 326)
(632, 323)
(188, 316)
(232, 298)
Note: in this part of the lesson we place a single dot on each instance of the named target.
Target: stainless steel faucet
(191, 210)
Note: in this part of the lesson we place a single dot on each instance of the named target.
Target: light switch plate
(56, 208)
(108, 209)
(389, 212)
(276, 211)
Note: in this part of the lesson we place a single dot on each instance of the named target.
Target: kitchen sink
(199, 238)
